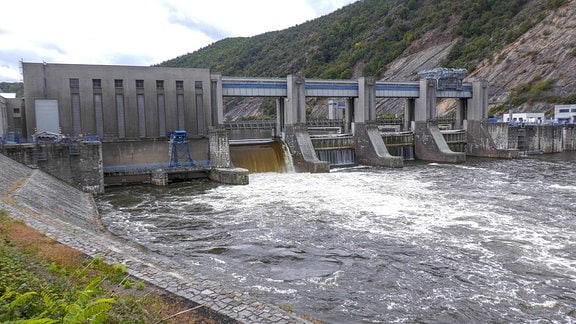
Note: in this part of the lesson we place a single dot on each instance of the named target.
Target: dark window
(198, 85)
(565, 110)
(96, 84)
(74, 83)
(118, 83)
(160, 84)
(179, 85)
(140, 84)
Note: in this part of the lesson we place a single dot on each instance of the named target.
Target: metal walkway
(278, 87)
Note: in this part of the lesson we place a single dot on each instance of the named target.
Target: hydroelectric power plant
(382, 221)
(95, 126)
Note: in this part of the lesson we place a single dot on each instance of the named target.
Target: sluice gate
(336, 149)
(400, 144)
(456, 139)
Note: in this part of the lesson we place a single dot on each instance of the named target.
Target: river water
(483, 241)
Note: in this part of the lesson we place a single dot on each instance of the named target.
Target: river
(483, 241)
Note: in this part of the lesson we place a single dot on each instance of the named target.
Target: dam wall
(149, 151)
(569, 137)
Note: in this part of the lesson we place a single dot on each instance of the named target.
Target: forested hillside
(393, 39)
(12, 87)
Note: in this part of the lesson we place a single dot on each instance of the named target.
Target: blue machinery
(179, 150)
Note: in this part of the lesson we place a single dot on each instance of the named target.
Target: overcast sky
(136, 32)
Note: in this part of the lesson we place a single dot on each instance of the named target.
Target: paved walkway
(71, 217)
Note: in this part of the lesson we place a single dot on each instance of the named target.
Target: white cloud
(142, 32)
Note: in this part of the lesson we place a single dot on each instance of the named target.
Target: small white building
(527, 118)
(565, 114)
(4, 111)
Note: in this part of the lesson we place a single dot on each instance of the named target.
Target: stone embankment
(70, 216)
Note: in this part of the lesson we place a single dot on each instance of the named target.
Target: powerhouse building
(117, 102)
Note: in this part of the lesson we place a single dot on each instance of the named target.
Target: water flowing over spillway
(260, 157)
(483, 241)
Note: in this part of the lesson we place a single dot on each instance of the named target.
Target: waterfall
(337, 157)
(288, 162)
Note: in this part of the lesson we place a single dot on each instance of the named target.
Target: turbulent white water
(483, 241)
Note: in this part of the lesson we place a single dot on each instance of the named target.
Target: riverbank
(70, 217)
(45, 267)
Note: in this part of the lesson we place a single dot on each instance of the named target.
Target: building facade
(527, 118)
(565, 114)
(11, 118)
(3, 115)
(117, 102)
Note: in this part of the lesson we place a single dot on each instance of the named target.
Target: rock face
(548, 50)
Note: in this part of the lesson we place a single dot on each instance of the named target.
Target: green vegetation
(537, 90)
(42, 281)
(370, 34)
(12, 87)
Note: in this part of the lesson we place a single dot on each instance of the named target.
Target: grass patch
(43, 280)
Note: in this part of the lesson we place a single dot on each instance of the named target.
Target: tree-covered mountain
(371, 34)
(394, 39)
(12, 87)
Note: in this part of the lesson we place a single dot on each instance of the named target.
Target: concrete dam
(94, 126)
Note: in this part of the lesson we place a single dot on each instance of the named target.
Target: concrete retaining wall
(489, 140)
(78, 164)
(499, 134)
(569, 138)
(148, 151)
(536, 138)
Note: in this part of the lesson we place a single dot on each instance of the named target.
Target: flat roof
(8, 95)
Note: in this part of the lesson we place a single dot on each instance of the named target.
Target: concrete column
(217, 103)
(366, 108)
(478, 104)
(426, 104)
(280, 115)
(409, 110)
(460, 113)
(348, 111)
(332, 109)
(296, 100)
(219, 148)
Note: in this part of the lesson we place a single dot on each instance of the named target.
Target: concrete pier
(489, 140)
(371, 150)
(429, 145)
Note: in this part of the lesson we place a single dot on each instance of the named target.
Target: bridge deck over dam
(269, 87)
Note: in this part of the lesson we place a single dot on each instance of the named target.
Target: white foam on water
(563, 187)
(484, 239)
(275, 290)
